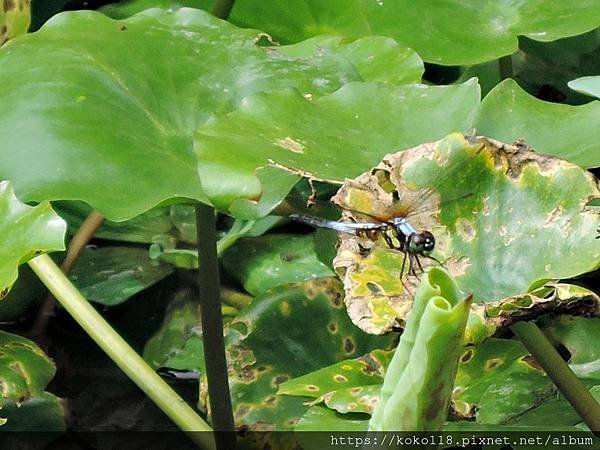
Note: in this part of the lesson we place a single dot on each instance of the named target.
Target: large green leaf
(26, 232)
(499, 384)
(126, 8)
(504, 217)
(111, 275)
(268, 343)
(116, 108)
(449, 32)
(273, 260)
(331, 138)
(509, 113)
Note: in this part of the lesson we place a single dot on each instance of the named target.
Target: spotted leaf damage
(504, 217)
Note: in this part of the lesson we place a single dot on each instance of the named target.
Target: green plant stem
(560, 373)
(84, 234)
(209, 288)
(505, 67)
(121, 353)
(222, 8)
(235, 298)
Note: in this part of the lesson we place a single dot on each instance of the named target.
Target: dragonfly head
(422, 243)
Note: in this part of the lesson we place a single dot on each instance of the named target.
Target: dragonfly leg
(411, 266)
(403, 264)
(419, 264)
(435, 259)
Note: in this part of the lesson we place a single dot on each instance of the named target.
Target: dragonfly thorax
(420, 243)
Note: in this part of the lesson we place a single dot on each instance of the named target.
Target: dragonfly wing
(417, 205)
(342, 227)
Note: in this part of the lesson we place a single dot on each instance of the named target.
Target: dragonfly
(397, 232)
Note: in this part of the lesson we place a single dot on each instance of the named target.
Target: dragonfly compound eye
(423, 242)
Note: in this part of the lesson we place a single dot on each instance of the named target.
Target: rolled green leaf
(418, 383)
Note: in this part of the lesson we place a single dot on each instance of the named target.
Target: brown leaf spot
(242, 410)
(532, 362)
(374, 288)
(338, 378)
(290, 144)
(356, 390)
(336, 299)
(371, 366)
(8, 5)
(246, 375)
(492, 364)
(467, 356)
(311, 388)
(285, 309)
(333, 327)
(122, 28)
(278, 379)
(270, 400)
(349, 345)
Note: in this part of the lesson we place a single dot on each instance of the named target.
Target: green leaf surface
(24, 369)
(578, 335)
(508, 113)
(454, 32)
(141, 229)
(587, 85)
(348, 386)
(37, 414)
(26, 231)
(27, 292)
(273, 260)
(178, 344)
(314, 138)
(498, 380)
(112, 275)
(268, 344)
(127, 8)
(479, 198)
(498, 383)
(319, 418)
(117, 107)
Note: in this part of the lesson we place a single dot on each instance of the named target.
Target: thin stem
(505, 67)
(222, 8)
(121, 353)
(84, 234)
(560, 373)
(212, 328)
(235, 298)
